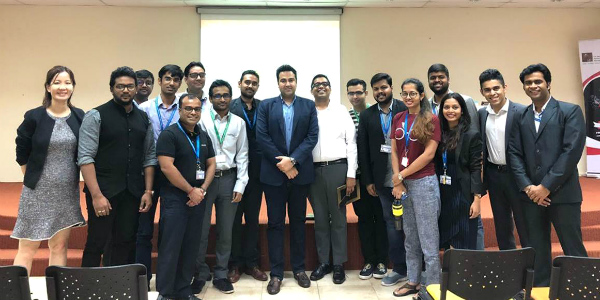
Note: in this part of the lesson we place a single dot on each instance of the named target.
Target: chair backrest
(14, 283)
(575, 278)
(120, 282)
(490, 275)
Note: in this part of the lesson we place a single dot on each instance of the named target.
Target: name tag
(200, 174)
(404, 162)
(386, 148)
(220, 158)
(445, 179)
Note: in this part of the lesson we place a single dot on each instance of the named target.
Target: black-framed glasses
(196, 75)
(406, 95)
(352, 94)
(189, 109)
(320, 84)
(224, 96)
(122, 87)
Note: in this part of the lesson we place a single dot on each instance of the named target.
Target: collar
(283, 101)
(390, 108)
(543, 107)
(161, 103)
(432, 99)
(217, 116)
(504, 108)
(191, 134)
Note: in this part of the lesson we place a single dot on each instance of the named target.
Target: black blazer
(372, 162)
(33, 139)
(254, 154)
(514, 109)
(550, 156)
(468, 164)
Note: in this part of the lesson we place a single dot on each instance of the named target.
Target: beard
(387, 99)
(120, 101)
(442, 91)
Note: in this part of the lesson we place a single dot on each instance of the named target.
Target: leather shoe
(320, 272)
(257, 273)
(339, 276)
(274, 286)
(302, 279)
(234, 274)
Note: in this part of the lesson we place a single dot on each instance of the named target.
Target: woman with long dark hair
(417, 134)
(458, 165)
(47, 153)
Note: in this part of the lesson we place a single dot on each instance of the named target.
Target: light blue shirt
(149, 107)
(288, 118)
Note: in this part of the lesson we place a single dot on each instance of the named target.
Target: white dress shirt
(495, 132)
(336, 137)
(538, 116)
(234, 147)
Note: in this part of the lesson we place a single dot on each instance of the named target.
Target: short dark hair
(218, 83)
(251, 72)
(318, 76)
(286, 68)
(144, 74)
(122, 72)
(189, 96)
(438, 68)
(186, 72)
(490, 74)
(536, 68)
(356, 81)
(381, 76)
(175, 71)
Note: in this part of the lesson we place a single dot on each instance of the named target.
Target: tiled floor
(249, 289)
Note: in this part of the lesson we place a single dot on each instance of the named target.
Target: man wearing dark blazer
(545, 147)
(496, 121)
(374, 148)
(286, 132)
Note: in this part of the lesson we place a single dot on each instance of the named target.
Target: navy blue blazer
(270, 137)
(549, 156)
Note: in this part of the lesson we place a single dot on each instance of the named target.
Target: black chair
(572, 278)
(14, 283)
(111, 283)
(489, 275)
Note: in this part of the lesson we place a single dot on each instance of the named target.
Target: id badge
(404, 161)
(386, 148)
(220, 158)
(446, 180)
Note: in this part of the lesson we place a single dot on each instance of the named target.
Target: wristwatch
(400, 177)
(293, 161)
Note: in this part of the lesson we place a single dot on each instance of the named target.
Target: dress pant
(396, 250)
(219, 193)
(371, 227)
(277, 197)
(566, 219)
(179, 226)
(506, 206)
(120, 225)
(244, 247)
(330, 219)
(143, 247)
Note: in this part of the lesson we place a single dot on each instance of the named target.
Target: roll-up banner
(589, 53)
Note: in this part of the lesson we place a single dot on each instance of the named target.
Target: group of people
(192, 152)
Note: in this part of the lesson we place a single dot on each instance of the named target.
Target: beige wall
(403, 42)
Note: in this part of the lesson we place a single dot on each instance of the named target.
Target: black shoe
(380, 271)
(320, 272)
(223, 285)
(274, 286)
(339, 276)
(366, 272)
(302, 279)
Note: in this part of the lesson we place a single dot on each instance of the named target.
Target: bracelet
(193, 188)
(148, 191)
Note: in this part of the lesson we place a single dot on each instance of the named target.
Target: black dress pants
(244, 247)
(371, 228)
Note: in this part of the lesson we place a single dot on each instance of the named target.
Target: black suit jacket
(33, 139)
(514, 109)
(549, 156)
(254, 153)
(467, 157)
(270, 136)
(372, 162)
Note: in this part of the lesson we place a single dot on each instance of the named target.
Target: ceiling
(318, 3)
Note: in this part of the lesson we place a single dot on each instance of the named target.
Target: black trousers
(244, 244)
(507, 205)
(566, 219)
(120, 225)
(371, 228)
(143, 249)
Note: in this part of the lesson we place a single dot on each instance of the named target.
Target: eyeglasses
(406, 95)
(189, 109)
(319, 84)
(147, 82)
(122, 87)
(352, 94)
(196, 75)
(219, 96)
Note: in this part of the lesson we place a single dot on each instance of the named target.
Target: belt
(221, 173)
(331, 162)
(501, 168)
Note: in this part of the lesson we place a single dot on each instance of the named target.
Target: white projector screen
(231, 44)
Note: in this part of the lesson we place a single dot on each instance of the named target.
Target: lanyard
(385, 126)
(539, 117)
(250, 124)
(433, 108)
(445, 160)
(407, 133)
(159, 117)
(222, 137)
(197, 148)
(356, 116)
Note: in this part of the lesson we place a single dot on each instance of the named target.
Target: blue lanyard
(445, 160)
(407, 133)
(160, 119)
(250, 124)
(197, 148)
(538, 119)
(385, 126)
(433, 108)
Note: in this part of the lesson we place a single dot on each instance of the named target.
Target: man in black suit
(244, 247)
(287, 131)
(374, 148)
(496, 123)
(545, 147)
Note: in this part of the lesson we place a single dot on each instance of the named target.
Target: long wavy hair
(50, 76)
(451, 136)
(423, 128)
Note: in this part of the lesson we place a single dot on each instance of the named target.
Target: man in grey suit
(496, 123)
(545, 147)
